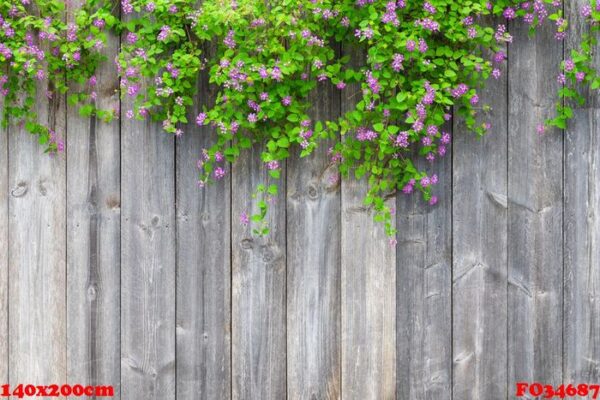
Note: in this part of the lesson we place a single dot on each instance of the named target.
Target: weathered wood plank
(258, 288)
(37, 251)
(479, 215)
(147, 260)
(368, 291)
(424, 285)
(203, 269)
(535, 259)
(4, 235)
(314, 266)
(581, 315)
(93, 236)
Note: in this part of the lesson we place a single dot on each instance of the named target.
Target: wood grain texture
(479, 229)
(368, 290)
(37, 250)
(581, 314)
(93, 236)
(147, 261)
(258, 284)
(535, 257)
(172, 298)
(4, 235)
(423, 290)
(314, 266)
(203, 269)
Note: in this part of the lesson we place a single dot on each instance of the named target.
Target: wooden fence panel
(93, 236)
(479, 229)
(581, 314)
(203, 269)
(37, 251)
(147, 261)
(314, 266)
(535, 265)
(424, 287)
(258, 287)
(4, 235)
(368, 291)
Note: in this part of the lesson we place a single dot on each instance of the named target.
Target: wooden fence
(115, 269)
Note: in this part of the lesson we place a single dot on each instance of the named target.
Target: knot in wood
(20, 190)
(312, 192)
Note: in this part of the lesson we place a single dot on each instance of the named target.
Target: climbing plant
(407, 64)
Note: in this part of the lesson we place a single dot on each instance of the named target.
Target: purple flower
(446, 138)
(372, 82)
(509, 13)
(164, 33)
(401, 140)
(126, 6)
(397, 62)
(276, 74)
(569, 65)
(365, 135)
(229, 41)
(408, 188)
(541, 128)
(131, 38)
(460, 90)
(219, 173)
(200, 119)
(272, 165)
(429, 8)
(586, 10)
(71, 33)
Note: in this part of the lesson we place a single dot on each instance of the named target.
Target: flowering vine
(422, 59)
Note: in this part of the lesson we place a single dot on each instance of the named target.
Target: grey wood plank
(203, 269)
(368, 291)
(424, 285)
(258, 285)
(479, 265)
(147, 260)
(314, 265)
(93, 236)
(37, 251)
(581, 314)
(4, 235)
(535, 259)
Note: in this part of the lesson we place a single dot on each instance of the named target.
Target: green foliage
(404, 65)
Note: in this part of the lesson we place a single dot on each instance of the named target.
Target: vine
(422, 59)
